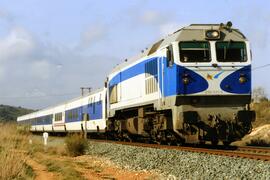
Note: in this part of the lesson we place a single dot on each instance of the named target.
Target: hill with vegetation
(10, 113)
(262, 110)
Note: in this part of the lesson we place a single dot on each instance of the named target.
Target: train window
(94, 105)
(58, 117)
(70, 114)
(194, 52)
(99, 102)
(170, 56)
(113, 94)
(76, 114)
(231, 51)
(91, 102)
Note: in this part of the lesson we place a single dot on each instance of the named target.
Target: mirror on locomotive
(170, 57)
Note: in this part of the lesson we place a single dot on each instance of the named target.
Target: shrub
(75, 145)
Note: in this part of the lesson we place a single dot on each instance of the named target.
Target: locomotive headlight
(242, 79)
(185, 79)
(212, 34)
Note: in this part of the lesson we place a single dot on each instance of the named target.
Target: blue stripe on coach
(93, 109)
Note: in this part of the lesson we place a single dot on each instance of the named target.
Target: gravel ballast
(180, 164)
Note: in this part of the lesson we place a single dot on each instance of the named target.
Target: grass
(258, 142)
(13, 153)
(65, 168)
(262, 110)
(15, 149)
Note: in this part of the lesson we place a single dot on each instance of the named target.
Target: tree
(259, 95)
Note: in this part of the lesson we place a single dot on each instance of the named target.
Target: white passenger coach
(83, 113)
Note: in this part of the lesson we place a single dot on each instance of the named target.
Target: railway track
(256, 153)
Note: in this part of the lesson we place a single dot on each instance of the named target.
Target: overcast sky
(50, 48)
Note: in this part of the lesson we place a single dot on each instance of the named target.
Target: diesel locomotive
(192, 86)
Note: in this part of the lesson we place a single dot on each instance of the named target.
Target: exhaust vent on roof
(155, 47)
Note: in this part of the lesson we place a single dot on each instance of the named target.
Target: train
(193, 86)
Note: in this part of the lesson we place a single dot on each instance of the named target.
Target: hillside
(262, 113)
(10, 113)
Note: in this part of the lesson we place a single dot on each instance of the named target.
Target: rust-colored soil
(41, 171)
(96, 168)
(88, 167)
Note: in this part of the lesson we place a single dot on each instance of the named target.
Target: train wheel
(202, 142)
(226, 143)
(214, 142)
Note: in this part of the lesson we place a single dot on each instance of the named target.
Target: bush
(75, 145)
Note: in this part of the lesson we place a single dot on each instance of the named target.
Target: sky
(49, 49)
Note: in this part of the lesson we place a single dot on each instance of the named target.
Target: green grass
(65, 168)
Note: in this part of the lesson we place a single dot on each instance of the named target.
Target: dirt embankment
(260, 134)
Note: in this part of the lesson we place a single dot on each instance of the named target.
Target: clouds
(29, 65)
(163, 22)
(16, 44)
(4, 15)
(92, 35)
(170, 27)
(152, 17)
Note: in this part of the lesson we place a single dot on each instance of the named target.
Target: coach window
(70, 114)
(94, 105)
(99, 102)
(170, 58)
(194, 52)
(231, 51)
(91, 101)
(58, 117)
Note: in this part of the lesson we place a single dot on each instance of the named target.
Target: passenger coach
(84, 113)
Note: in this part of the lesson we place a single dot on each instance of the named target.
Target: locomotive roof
(189, 33)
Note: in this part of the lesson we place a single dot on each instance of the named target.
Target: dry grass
(258, 142)
(260, 135)
(13, 153)
(76, 145)
(262, 113)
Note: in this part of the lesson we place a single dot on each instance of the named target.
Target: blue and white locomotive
(190, 87)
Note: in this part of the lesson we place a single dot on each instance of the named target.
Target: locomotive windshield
(194, 51)
(231, 51)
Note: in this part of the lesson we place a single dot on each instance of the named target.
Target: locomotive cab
(212, 86)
